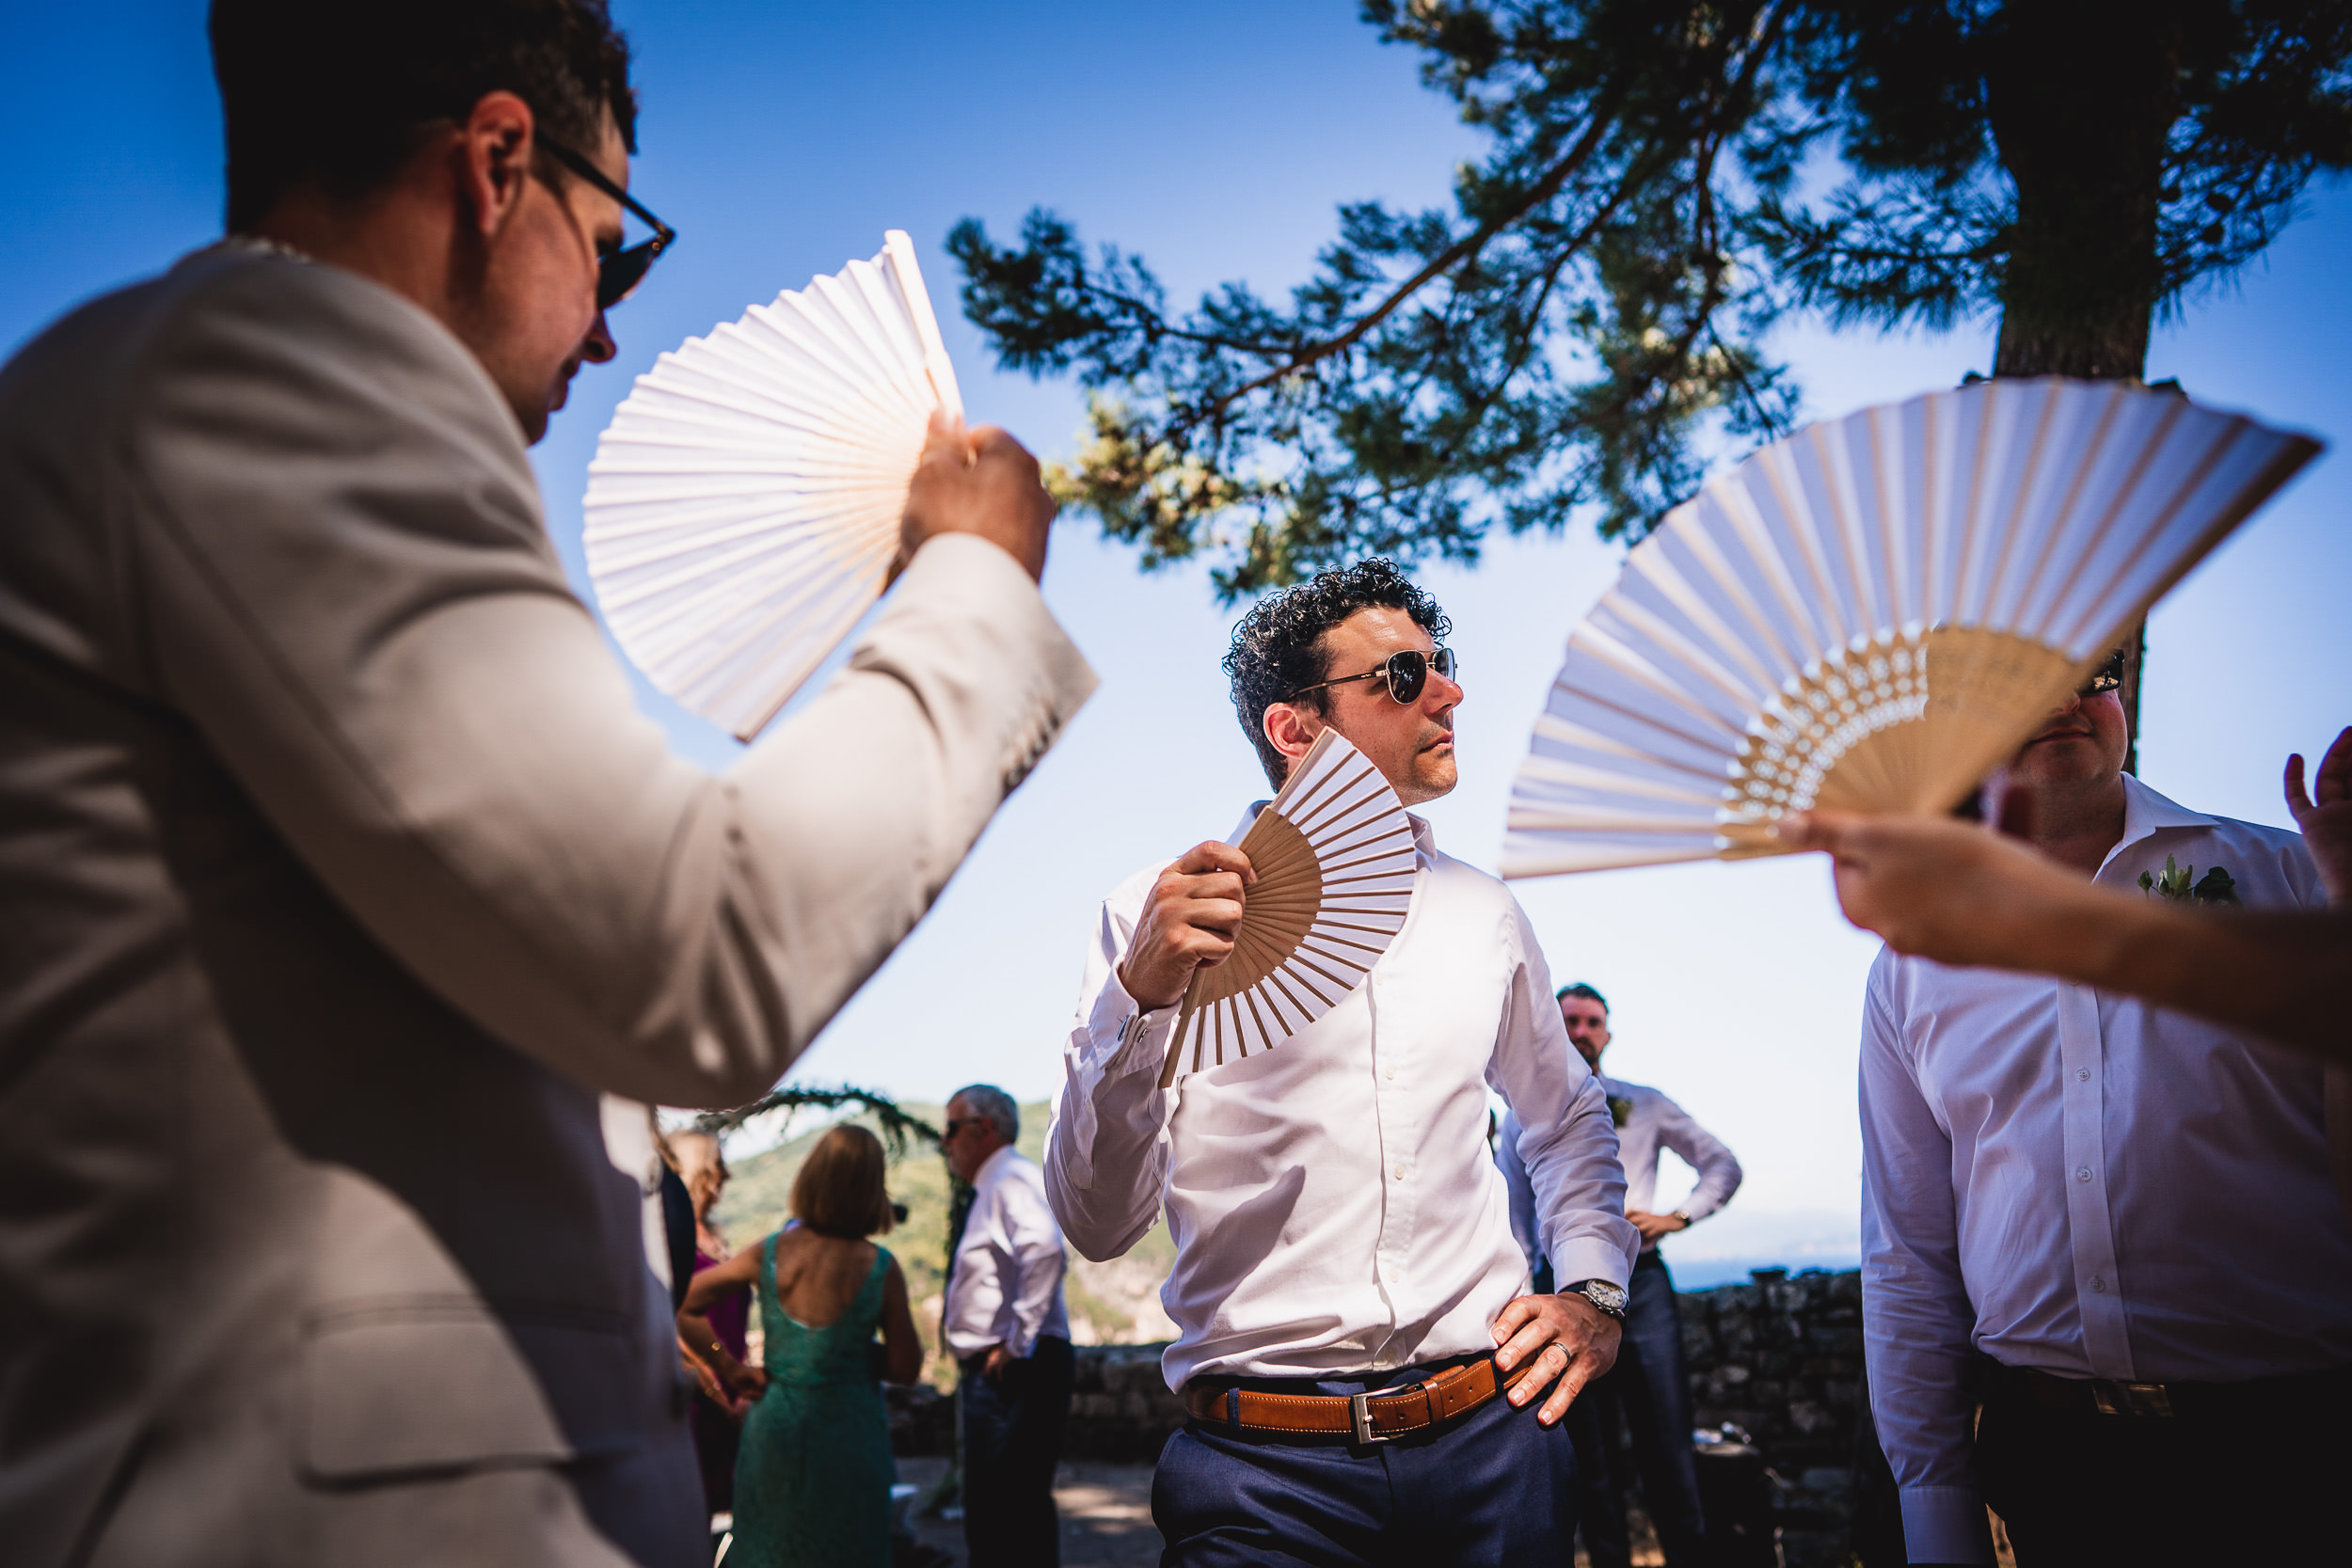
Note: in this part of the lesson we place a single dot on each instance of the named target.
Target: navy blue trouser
(1490, 1488)
(1013, 1436)
(1651, 1385)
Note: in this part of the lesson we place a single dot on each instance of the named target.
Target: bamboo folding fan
(743, 506)
(1334, 858)
(1872, 614)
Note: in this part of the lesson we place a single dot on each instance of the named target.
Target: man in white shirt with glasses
(1369, 1377)
(2106, 1278)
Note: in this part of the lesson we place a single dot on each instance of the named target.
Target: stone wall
(1780, 1358)
(1119, 1409)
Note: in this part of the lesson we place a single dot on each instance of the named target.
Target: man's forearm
(2287, 977)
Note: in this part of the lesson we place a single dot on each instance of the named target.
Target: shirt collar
(991, 1167)
(1424, 839)
(2147, 814)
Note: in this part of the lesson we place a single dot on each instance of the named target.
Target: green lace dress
(812, 1480)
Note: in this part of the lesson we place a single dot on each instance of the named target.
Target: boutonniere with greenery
(1620, 1107)
(2182, 884)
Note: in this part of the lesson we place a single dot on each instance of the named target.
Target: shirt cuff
(1946, 1524)
(1589, 1257)
(1126, 1037)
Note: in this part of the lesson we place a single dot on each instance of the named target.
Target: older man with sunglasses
(1370, 1378)
(339, 873)
(2107, 1278)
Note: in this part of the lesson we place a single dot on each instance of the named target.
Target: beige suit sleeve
(348, 590)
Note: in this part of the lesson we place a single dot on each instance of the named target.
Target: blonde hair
(701, 1164)
(839, 1190)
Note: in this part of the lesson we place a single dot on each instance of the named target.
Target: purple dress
(716, 1434)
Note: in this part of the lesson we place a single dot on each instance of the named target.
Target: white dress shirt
(1333, 1202)
(2078, 1181)
(1005, 1285)
(1646, 1121)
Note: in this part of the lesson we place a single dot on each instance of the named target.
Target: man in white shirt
(1649, 1382)
(2111, 1225)
(1339, 1229)
(1005, 1324)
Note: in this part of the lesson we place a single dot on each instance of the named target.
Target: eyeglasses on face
(2108, 677)
(618, 271)
(1405, 674)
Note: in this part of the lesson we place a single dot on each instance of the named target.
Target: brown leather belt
(1367, 1418)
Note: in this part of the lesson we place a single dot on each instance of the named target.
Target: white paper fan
(1872, 614)
(743, 506)
(1334, 852)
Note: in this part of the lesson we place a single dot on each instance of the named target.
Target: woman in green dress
(812, 1479)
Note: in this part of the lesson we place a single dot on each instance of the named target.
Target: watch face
(1608, 1297)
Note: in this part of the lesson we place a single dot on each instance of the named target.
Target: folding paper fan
(743, 506)
(1873, 613)
(1334, 856)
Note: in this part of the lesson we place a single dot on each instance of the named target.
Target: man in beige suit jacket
(339, 876)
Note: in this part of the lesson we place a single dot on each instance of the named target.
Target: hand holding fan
(1873, 612)
(743, 507)
(1334, 856)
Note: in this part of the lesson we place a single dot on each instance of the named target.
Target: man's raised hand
(2325, 816)
(979, 482)
(1188, 923)
(1562, 1343)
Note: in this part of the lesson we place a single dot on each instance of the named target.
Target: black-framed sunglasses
(1405, 673)
(957, 1124)
(2108, 677)
(618, 271)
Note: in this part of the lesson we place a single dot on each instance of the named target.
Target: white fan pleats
(1873, 612)
(743, 507)
(1334, 857)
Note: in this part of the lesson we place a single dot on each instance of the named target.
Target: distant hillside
(1114, 1303)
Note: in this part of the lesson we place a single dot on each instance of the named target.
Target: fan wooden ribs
(1334, 858)
(1873, 613)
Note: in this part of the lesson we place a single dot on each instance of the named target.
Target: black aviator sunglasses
(1405, 673)
(618, 271)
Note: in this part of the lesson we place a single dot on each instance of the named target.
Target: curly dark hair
(316, 90)
(1278, 647)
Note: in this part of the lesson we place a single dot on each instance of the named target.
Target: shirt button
(2097, 1284)
(2082, 1173)
(1397, 1170)
(2083, 1073)
(1388, 1071)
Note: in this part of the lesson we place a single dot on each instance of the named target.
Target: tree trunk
(2081, 95)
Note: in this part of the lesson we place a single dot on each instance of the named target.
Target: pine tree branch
(897, 1125)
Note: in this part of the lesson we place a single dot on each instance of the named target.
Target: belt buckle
(2131, 1399)
(1359, 1416)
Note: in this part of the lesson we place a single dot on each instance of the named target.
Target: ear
(496, 145)
(1292, 728)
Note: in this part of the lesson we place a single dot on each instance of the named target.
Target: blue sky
(1216, 139)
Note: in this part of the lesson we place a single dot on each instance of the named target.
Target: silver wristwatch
(1609, 1298)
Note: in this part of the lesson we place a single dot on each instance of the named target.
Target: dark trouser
(2238, 1473)
(1652, 1388)
(1600, 1510)
(1491, 1487)
(1012, 1435)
